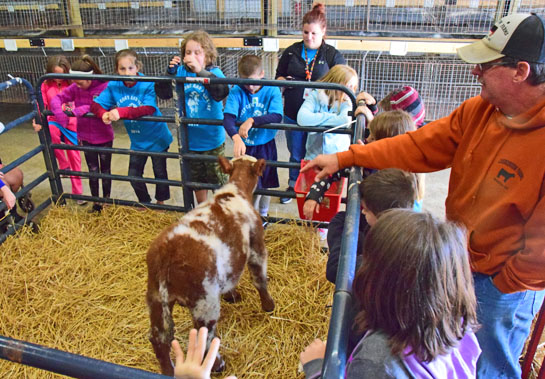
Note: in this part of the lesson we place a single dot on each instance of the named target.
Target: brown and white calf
(201, 257)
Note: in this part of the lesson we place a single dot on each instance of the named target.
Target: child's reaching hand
(239, 149)
(315, 350)
(245, 127)
(194, 367)
(175, 61)
(309, 207)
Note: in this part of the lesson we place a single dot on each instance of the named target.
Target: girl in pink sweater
(91, 131)
(67, 159)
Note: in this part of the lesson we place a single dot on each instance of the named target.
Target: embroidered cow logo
(506, 175)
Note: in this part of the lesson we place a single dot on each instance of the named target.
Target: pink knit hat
(407, 99)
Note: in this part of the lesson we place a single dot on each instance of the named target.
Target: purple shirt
(91, 130)
(459, 362)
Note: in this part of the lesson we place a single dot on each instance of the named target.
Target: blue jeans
(136, 168)
(296, 141)
(505, 320)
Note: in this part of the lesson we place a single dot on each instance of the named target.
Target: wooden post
(220, 8)
(75, 18)
(273, 18)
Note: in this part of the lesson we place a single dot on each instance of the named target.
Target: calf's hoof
(267, 305)
(219, 364)
(167, 368)
(232, 296)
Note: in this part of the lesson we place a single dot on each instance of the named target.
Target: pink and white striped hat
(407, 99)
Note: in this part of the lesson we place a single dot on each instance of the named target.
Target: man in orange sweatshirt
(495, 146)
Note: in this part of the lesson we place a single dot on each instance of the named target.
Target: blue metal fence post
(183, 143)
(342, 310)
(49, 155)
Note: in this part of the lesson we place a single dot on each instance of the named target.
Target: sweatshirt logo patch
(507, 173)
(504, 175)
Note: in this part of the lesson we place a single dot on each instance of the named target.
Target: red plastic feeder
(331, 203)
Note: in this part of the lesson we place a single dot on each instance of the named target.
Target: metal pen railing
(78, 366)
(25, 157)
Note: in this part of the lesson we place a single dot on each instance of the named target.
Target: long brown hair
(204, 39)
(85, 64)
(415, 283)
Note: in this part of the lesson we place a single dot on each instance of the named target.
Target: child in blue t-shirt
(254, 105)
(202, 100)
(131, 100)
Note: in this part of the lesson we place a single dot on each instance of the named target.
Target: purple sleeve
(1, 183)
(229, 123)
(65, 96)
(270, 118)
(56, 108)
(81, 110)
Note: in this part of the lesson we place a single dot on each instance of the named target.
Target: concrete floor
(20, 140)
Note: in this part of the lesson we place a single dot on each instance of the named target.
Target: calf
(201, 257)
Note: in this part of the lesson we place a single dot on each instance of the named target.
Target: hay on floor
(79, 285)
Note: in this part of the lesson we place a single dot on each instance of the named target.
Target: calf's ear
(259, 167)
(225, 165)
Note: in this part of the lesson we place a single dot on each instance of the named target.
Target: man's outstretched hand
(324, 165)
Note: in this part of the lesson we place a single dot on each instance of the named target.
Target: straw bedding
(79, 285)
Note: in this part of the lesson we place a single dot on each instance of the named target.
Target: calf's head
(243, 171)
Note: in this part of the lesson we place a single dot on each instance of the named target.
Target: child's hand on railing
(110, 116)
(37, 127)
(245, 127)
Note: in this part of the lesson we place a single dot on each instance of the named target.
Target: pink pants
(68, 159)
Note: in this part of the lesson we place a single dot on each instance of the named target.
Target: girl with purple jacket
(417, 307)
(91, 131)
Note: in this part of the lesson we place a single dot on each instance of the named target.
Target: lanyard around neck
(308, 72)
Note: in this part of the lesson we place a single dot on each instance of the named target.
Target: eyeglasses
(487, 66)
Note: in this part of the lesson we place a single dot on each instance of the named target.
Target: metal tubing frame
(82, 367)
(184, 154)
(25, 157)
(61, 362)
(342, 311)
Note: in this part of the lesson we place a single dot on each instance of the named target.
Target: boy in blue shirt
(254, 105)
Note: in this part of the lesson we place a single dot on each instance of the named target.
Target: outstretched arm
(324, 165)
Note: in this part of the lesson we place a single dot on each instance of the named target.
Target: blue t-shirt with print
(199, 104)
(144, 135)
(243, 105)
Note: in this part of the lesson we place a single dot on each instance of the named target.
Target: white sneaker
(323, 234)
